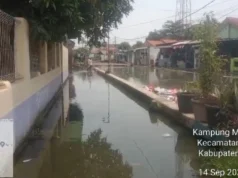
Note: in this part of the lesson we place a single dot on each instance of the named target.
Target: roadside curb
(156, 103)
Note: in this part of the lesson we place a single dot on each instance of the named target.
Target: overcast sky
(159, 11)
(150, 10)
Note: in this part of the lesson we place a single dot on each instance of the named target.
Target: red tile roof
(232, 20)
(160, 42)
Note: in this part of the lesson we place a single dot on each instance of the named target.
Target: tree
(81, 53)
(124, 46)
(92, 157)
(211, 64)
(154, 35)
(170, 29)
(55, 20)
(138, 44)
(173, 30)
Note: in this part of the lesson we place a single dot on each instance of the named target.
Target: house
(148, 54)
(228, 28)
(121, 56)
(102, 52)
(131, 56)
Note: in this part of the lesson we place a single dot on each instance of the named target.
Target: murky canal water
(138, 144)
(165, 78)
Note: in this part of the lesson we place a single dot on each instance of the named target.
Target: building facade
(229, 28)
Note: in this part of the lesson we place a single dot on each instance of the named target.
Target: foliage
(92, 157)
(81, 52)
(75, 112)
(171, 29)
(124, 46)
(154, 35)
(191, 87)
(176, 30)
(222, 163)
(138, 44)
(225, 92)
(210, 63)
(55, 20)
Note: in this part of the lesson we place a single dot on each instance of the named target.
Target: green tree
(154, 35)
(175, 30)
(138, 44)
(170, 29)
(81, 52)
(211, 64)
(124, 46)
(55, 20)
(93, 157)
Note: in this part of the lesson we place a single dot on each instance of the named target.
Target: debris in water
(167, 135)
(26, 160)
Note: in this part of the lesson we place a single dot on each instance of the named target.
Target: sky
(159, 11)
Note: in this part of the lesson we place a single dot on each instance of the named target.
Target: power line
(221, 2)
(228, 13)
(146, 22)
(133, 39)
(170, 16)
(203, 7)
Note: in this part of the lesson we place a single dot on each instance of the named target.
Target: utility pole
(115, 45)
(108, 55)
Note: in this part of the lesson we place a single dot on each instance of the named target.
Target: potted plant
(184, 98)
(227, 117)
(210, 66)
(225, 92)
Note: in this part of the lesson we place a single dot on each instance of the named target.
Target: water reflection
(94, 157)
(153, 76)
(131, 144)
(107, 120)
(72, 93)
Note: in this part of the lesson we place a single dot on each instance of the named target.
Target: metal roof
(140, 48)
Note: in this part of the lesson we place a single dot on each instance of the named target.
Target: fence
(7, 62)
(34, 51)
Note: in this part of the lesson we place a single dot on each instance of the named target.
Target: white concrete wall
(22, 95)
(15, 93)
(154, 52)
(65, 63)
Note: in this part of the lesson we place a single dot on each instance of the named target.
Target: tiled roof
(232, 20)
(160, 42)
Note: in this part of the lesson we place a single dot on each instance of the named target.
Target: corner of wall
(6, 98)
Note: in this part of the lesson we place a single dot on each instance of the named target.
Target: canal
(96, 129)
(165, 78)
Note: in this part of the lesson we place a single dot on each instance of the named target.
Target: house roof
(232, 21)
(160, 42)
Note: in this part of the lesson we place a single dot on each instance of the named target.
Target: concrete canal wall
(156, 102)
(25, 98)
